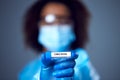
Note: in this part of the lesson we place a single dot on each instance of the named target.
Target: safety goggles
(55, 19)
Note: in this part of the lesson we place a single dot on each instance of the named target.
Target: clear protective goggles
(52, 19)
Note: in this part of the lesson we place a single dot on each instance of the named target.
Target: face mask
(56, 37)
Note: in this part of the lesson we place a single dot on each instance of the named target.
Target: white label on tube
(60, 54)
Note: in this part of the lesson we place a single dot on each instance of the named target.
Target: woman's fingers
(64, 65)
(64, 73)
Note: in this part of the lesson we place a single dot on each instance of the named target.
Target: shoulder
(30, 70)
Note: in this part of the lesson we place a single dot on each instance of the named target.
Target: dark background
(103, 48)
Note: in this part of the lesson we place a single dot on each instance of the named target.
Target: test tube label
(60, 54)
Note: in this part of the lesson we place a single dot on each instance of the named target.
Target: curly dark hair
(80, 16)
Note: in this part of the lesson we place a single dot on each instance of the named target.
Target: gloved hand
(64, 67)
(46, 59)
(46, 66)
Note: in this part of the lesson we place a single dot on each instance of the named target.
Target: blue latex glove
(64, 67)
(46, 59)
(46, 66)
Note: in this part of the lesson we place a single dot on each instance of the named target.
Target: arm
(87, 72)
(38, 69)
(84, 69)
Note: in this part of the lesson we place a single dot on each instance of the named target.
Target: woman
(61, 26)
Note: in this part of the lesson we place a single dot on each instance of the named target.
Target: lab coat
(83, 69)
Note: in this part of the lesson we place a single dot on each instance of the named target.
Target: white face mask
(56, 37)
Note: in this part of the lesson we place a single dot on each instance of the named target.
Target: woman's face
(55, 13)
(56, 32)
